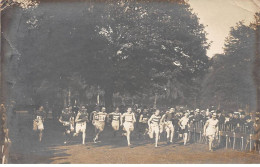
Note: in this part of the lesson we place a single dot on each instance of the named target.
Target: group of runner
(146, 122)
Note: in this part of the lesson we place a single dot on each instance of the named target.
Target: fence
(229, 136)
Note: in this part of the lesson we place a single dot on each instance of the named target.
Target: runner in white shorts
(100, 123)
(38, 122)
(211, 130)
(154, 127)
(67, 120)
(128, 120)
(81, 123)
(167, 119)
(115, 120)
(184, 124)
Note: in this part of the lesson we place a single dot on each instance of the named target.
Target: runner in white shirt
(153, 124)
(128, 120)
(115, 120)
(211, 129)
(100, 123)
(38, 122)
(81, 123)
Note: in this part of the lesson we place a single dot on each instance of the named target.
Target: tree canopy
(130, 47)
(230, 82)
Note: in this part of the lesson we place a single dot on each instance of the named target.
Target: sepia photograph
(130, 82)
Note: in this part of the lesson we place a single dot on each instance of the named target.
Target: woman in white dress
(211, 129)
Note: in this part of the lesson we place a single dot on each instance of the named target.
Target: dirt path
(114, 150)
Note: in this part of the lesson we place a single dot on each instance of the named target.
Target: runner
(67, 121)
(184, 124)
(38, 122)
(115, 120)
(128, 120)
(143, 123)
(211, 130)
(167, 119)
(81, 123)
(154, 128)
(99, 123)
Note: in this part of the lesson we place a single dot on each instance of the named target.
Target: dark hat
(218, 111)
(247, 117)
(243, 113)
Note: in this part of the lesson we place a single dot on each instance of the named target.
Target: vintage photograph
(130, 82)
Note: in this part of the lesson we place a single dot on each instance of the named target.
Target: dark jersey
(221, 119)
(145, 117)
(168, 117)
(115, 116)
(83, 116)
(40, 115)
(66, 117)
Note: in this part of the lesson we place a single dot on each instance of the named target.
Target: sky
(220, 15)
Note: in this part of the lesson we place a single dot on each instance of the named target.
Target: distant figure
(81, 123)
(211, 130)
(38, 122)
(128, 120)
(154, 127)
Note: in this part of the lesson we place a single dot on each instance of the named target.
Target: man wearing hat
(81, 123)
(236, 122)
(211, 129)
(221, 119)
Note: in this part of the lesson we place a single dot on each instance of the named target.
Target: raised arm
(205, 126)
(141, 118)
(77, 118)
(149, 121)
(121, 119)
(134, 117)
(162, 119)
(179, 122)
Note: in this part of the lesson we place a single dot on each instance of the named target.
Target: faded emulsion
(127, 82)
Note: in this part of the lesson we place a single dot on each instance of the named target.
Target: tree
(134, 48)
(230, 82)
(152, 47)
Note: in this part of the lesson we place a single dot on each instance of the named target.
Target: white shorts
(211, 132)
(38, 125)
(81, 127)
(100, 125)
(115, 125)
(129, 126)
(162, 128)
(154, 129)
(169, 126)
